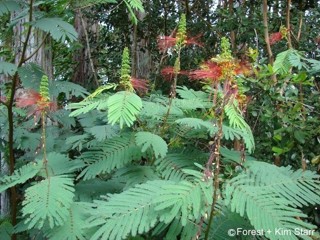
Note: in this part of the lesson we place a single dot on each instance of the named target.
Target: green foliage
(7, 68)
(197, 123)
(48, 202)
(20, 175)
(105, 157)
(286, 60)
(226, 220)
(130, 212)
(30, 74)
(147, 140)
(75, 225)
(6, 229)
(123, 166)
(58, 29)
(269, 196)
(239, 126)
(9, 6)
(134, 5)
(123, 108)
(151, 202)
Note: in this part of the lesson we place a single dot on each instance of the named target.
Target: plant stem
(215, 155)
(15, 79)
(173, 92)
(43, 144)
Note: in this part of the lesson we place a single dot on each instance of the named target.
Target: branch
(37, 49)
(266, 35)
(300, 27)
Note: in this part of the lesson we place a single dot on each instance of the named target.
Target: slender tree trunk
(85, 72)
(140, 54)
(266, 30)
(29, 47)
(288, 23)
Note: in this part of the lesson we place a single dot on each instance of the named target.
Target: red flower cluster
(275, 37)
(166, 42)
(140, 85)
(210, 70)
(168, 73)
(35, 102)
(243, 68)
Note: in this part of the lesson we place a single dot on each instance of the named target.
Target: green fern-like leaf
(7, 68)
(99, 103)
(133, 175)
(224, 220)
(269, 197)
(136, 4)
(230, 133)
(138, 209)
(30, 75)
(58, 29)
(188, 199)
(68, 88)
(237, 122)
(147, 140)
(171, 167)
(100, 89)
(176, 230)
(198, 123)
(114, 153)
(20, 175)
(103, 132)
(7, 6)
(48, 201)
(60, 164)
(282, 64)
(128, 213)
(74, 227)
(123, 108)
(300, 188)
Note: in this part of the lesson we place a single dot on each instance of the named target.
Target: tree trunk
(84, 72)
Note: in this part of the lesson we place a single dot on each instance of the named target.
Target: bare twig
(37, 49)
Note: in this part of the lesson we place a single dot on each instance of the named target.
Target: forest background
(159, 119)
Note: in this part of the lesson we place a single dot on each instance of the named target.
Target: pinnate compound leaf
(7, 68)
(74, 227)
(123, 108)
(8, 6)
(147, 140)
(48, 201)
(58, 29)
(19, 176)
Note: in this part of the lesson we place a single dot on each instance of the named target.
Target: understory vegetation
(127, 120)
